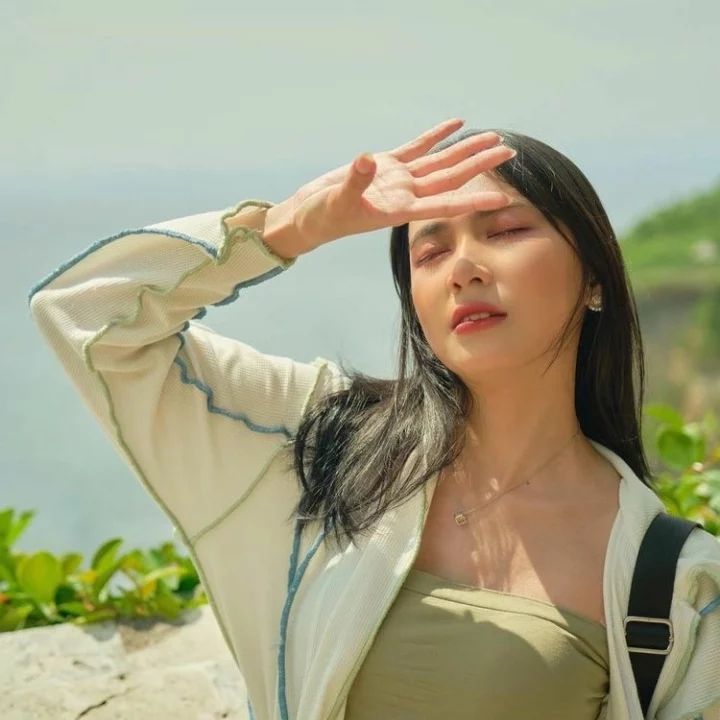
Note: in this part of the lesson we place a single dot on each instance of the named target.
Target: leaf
(96, 616)
(688, 504)
(666, 414)
(72, 608)
(49, 612)
(87, 577)
(163, 572)
(71, 562)
(104, 576)
(695, 432)
(671, 505)
(105, 555)
(18, 528)
(39, 575)
(155, 558)
(677, 448)
(13, 618)
(6, 517)
(133, 560)
(169, 605)
(7, 566)
(187, 584)
(64, 594)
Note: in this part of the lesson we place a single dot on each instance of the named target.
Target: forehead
(479, 183)
(420, 228)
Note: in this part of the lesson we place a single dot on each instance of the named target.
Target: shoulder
(698, 569)
(701, 548)
(696, 624)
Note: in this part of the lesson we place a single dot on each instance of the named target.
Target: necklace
(461, 515)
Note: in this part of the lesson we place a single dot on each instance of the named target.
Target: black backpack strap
(648, 628)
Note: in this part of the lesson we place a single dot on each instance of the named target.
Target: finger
(364, 164)
(420, 145)
(455, 177)
(452, 155)
(359, 176)
(453, 203)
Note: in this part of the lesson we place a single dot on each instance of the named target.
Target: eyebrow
(433, 227)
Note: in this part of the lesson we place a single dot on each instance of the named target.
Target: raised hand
(390, 188)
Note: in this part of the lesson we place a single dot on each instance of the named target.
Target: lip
(477, 307)
(475, 325)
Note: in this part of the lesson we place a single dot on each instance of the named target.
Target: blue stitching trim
(249, 283)
(282, 701)
(712, 605)
(201, 313)
(168, 233)
(104, 241)
(294, 574)
(185, 377)
(294, 578)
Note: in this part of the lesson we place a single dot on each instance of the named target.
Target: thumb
(361, 173)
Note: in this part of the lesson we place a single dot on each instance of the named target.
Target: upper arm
(196, 415)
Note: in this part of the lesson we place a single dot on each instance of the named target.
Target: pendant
(460, 518)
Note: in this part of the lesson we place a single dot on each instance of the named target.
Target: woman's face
(513, 258)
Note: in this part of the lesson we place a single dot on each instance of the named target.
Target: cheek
(421, 310)
(547, 288)
(430, 307)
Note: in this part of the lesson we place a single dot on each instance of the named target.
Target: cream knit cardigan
(206, 422)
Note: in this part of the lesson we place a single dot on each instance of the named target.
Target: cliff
(129, 670)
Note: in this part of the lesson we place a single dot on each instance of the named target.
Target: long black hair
(352, 447)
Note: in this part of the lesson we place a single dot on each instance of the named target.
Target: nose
(467, 266)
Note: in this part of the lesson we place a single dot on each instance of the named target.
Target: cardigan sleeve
(196, 415)
(696, 687)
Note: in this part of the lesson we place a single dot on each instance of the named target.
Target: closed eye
(509, 231)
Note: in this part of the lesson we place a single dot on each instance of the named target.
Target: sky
(119, 115)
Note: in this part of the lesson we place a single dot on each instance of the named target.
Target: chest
(555, 554)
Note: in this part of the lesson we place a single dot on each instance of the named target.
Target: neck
(517, 425)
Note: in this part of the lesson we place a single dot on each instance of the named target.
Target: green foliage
(677, 246)
(689, 485)
(43, 589)
(698, 214)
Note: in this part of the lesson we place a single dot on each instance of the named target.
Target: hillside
(676, 247)
(673, 259)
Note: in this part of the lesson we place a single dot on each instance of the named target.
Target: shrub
(43, 589)
(689, 485)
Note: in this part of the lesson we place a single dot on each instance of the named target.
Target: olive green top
(446, 650)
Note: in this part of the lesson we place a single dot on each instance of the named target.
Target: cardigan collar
(348, 592)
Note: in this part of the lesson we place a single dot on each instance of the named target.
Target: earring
(595, 303)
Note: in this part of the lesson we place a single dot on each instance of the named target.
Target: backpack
(648, 628)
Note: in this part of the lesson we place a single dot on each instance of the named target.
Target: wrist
(281, 233)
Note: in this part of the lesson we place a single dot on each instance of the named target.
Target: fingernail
(364, 164)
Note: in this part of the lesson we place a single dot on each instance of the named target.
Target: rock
(132, 670)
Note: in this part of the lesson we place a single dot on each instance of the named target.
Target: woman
(391, 548)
